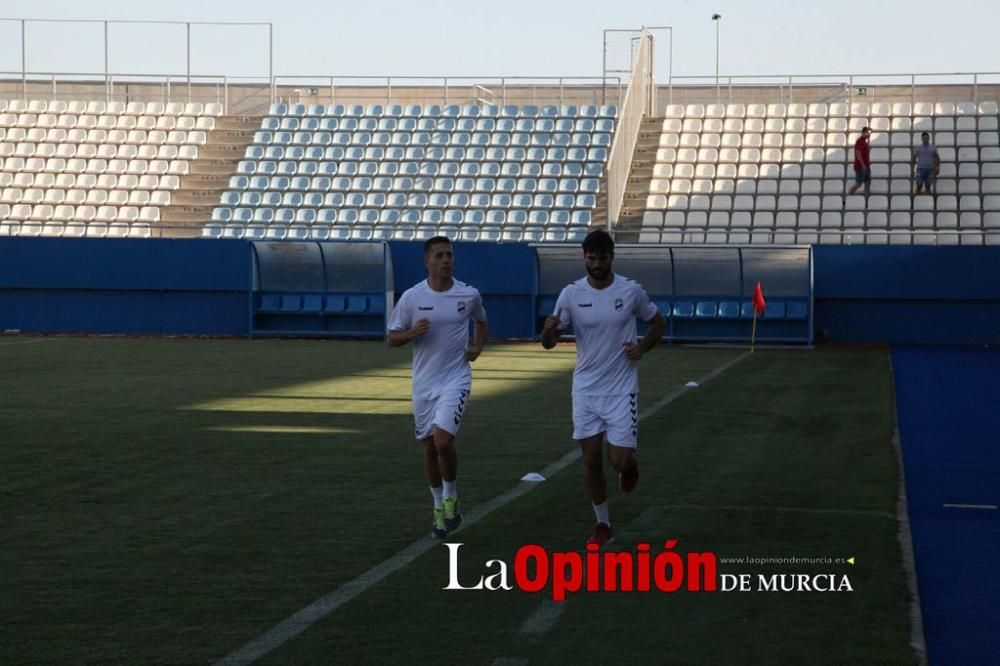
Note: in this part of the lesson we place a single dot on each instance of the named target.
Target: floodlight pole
(718, 21)
(24, 65)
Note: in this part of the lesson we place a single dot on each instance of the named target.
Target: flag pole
(753, 333)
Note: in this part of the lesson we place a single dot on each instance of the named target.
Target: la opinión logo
(667, 571)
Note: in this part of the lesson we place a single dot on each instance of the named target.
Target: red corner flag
(759, 305)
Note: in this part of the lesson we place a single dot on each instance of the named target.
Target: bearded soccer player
(435, 314)
(602, 308)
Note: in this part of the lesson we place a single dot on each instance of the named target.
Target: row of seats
(404, 184)
(274, 125)
(39, 106)
(825, 220)
(76, 229)
(461, 139)
(853, 125)
(447, 111)
(829, 202)
(402, 232)
(391, 216)
(895, 138)
(835, 110)
(96, 166)
(26, 123)
(419, 200)
(83, 213)
(885, 185)
(832, 237)
(113, 138)
(86, 181)
(264, 154)
(93, 197)
(107, 151)
(750, 173)
(813, 155)
(313, 303)
(376, 166)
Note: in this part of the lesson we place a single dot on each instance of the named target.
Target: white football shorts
(615, 415)
(445, 412)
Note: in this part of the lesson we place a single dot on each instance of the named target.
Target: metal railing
(637, 102)
(701, 236)
(848, 87)
(248, 95)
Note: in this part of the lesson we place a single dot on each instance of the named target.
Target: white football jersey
(604, 322)
(439, 355)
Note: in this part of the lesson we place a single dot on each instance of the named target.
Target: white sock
(438, 494)
(601, 511)
(450, 488)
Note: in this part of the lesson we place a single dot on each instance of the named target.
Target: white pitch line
(305, 617)
(543, 618)
(792, 509)
(988, 507)
(4, 343)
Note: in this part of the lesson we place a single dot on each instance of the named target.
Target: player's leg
(592, 449)
(593, 469)
(447, 420)
(588, 430)
(423, 415)
(622, 416)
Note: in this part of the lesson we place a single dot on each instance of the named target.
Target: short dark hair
(927, 134)
(434, 240)
(599, 241)
(866, 129)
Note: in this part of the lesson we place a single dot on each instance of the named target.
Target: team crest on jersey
(461, 307)
(619, 304)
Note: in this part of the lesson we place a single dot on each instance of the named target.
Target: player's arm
(481, 331)
(550, 332)
(937, 162)
(551, 328)
(657, 327)
(401, 337)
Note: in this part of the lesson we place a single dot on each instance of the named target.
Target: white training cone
(692, 384)
(533, 476)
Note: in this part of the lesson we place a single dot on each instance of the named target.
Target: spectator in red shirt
(862, 162)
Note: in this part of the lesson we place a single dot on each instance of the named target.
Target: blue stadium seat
(729, 310)
(270, 303)
(706, 310)
(683, 310)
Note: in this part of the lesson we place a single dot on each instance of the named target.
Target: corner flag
(759, 304)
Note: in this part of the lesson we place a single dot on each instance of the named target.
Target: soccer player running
(602, 308)
(435, 314)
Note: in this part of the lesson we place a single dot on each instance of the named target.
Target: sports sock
(451, 488)
(601, 511)
(438, 494)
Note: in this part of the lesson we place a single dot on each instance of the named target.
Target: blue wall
(911, 294)
(134, 286)
(947, 295)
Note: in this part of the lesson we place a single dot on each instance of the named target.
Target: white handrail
(630, 114)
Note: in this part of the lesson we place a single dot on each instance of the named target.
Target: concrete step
(227, 151)
(202, 181)
(227, 168)
(196, 199)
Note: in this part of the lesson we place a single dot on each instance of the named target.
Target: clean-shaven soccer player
(435, 314)
(602, 308)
